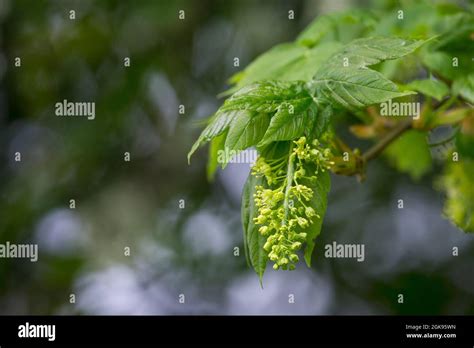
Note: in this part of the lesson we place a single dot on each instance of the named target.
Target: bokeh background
(136, 204)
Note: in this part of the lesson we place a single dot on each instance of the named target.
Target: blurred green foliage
(136, 204)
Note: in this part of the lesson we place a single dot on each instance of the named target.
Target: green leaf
(246, 130)
(356, 88)
(433, 88)
(321, 123)
(289, 104)
(246, 114)
(465, 144)
(411, 154)
(447, 65)
(420, 19)
(464, 86)
(284, 62)
(321, 188)
(365, 52)
(253, 240)
(265, 96)
(290, 120)
(352, 23)
(217, 145)
(218, 124)
(450, 117)
(457, 36)
(346, 80)
(457, 182)
(316, 30)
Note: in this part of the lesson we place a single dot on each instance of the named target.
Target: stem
(375, 150)
(289, 182)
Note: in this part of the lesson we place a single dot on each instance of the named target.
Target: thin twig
(375, 150)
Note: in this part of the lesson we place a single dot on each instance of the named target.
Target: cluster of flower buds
(284, 212)
(312, 153)
(282, 239)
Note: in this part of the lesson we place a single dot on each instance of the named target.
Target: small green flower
(302, 222)
(294, 258)
(309, 212)
(295, 246)
(263, 230)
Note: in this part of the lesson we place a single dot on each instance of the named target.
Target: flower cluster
(282, 239)
(284, 210)
(312, 153)
(272, 170)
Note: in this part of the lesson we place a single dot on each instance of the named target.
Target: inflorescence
(284, 209)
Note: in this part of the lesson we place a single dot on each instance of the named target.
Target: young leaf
(465, 145)
(316, 30)
(457, 36)
(464, 86)
(289, 104)
(365, 52)
(320, 187)
(284, 62)
(217, 145)
(458, 183)
(321, 122)
(451, 117)
(246, 130)
(346, 80)
(265, 96)
(433, 88)
(446, 65)
(465, 138)
(218, 124)
(411, 154)
(351, 23)
(356, 88)
(253, 240)
(247, 114)
(287, 126)
(290, 120)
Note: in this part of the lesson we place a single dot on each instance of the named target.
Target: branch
(356, 163)
(375, 150)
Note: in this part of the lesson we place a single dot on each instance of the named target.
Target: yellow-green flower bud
(294, 258)
(310, 212)
(283, 261)
(295, 245)
(302, 222)
(279, 196)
